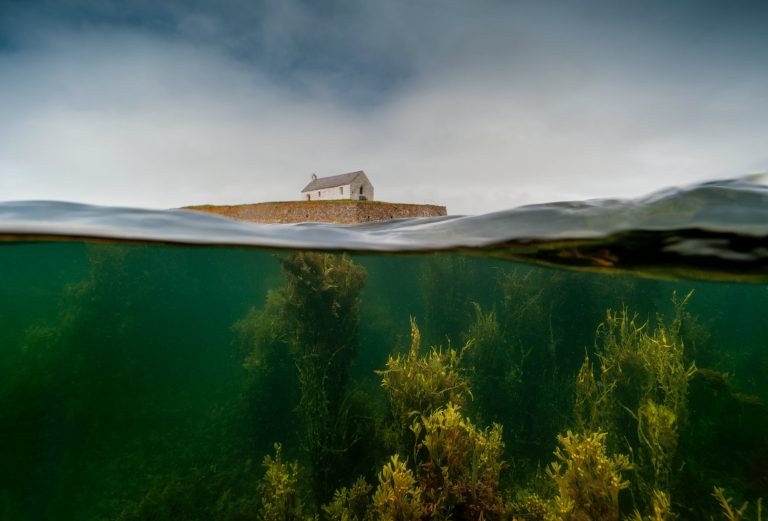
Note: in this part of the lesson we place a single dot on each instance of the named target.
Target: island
(340, 199)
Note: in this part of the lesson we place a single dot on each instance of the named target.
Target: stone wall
(341, 212)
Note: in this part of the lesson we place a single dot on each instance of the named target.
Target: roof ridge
(333, 180)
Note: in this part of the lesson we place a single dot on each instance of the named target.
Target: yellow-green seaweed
(417, 384)
(280, 499)
(588, 479)
(398, 496)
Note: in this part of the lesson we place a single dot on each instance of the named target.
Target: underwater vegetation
(588, 481)
(733, 513)
(280, 499)
(351, 504)
(456, 464)
(640, 394)
(324, 386)
(420, 384)
(398, 496)
(311, 325)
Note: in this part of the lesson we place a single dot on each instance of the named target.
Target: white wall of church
(329, 194)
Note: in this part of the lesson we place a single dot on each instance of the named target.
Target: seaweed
(588, 480)
(280, 497)
(640, 398)
(351, 504)
(661, 509)
(313, 317)
(494, 366)
(261, 346)
(456, 465)
(732, 513)
(418, 384)
(398, 496)
(448, 284)
(197, 494)
(459, 466)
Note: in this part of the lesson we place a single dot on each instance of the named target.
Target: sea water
(593, 360)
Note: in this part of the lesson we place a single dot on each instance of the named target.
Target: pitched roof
(332, 181)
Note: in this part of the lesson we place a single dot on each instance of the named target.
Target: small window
(361, 189)
(341, 190)
(318, 194)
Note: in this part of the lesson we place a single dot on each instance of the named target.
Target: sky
(479, 105)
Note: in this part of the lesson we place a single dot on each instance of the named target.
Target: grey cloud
(479, 109)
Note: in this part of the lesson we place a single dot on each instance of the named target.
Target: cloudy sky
(479, 105)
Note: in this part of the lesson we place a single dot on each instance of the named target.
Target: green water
(152, 383)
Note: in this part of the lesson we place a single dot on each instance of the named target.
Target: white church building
(354, 186)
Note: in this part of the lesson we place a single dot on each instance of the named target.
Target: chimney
(314, 177)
